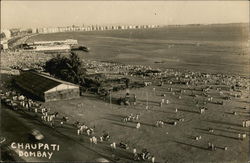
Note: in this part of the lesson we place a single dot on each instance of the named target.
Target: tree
(67, 68)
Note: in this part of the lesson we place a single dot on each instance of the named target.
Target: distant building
(82, 29)
(15, 32)
(46, 88)
(44, 30)
(4, 45)
(40, 30)
(34, 30)
(24, 31)
(74, 28)
(2, 35)
(6, 34)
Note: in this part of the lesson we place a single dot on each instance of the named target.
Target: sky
(25, 14)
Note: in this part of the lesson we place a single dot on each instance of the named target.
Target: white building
(7, 33)
(34, 30)
(4, 44)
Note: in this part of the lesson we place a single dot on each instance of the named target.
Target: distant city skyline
(25, 14)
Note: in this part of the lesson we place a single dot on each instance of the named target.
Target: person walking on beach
(101, 138)
(138, 125)
(94, 140)
(134, 153)
(91, 141)
(78, 131)
(153, 159)
(113, 146)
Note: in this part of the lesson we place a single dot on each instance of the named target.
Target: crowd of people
(17, 101)
(131, 118)
(25, 60)
(199, 84)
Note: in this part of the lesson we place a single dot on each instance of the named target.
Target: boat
(80, 48)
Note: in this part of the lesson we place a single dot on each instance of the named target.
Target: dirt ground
(170, 143)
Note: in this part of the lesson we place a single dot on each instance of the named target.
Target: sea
(217, 48)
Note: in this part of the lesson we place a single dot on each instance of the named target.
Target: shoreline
(39, 57)
(217, 53)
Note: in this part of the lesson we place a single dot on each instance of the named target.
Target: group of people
(163, 101)
(17, 101)
(131, 118)
(94, 140)
(120, 68)
(81, 128)
(159, 123)
(144, 155)
(25, 60)
(47, 116)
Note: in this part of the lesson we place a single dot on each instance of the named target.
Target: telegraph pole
(110, 97)
(147, 100)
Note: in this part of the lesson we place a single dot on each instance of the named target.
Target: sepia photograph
(125, 81)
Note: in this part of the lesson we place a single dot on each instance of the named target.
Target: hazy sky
(63, 13)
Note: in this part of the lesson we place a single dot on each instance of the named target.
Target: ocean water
(207, 48)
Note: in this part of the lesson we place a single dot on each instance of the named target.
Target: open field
(217, 48)
(170, 143)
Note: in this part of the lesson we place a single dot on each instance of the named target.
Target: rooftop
(39, 82)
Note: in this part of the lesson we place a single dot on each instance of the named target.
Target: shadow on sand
(123, 125)
(225, 136)
(190, 111)
(221, 122)
(191, 145)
